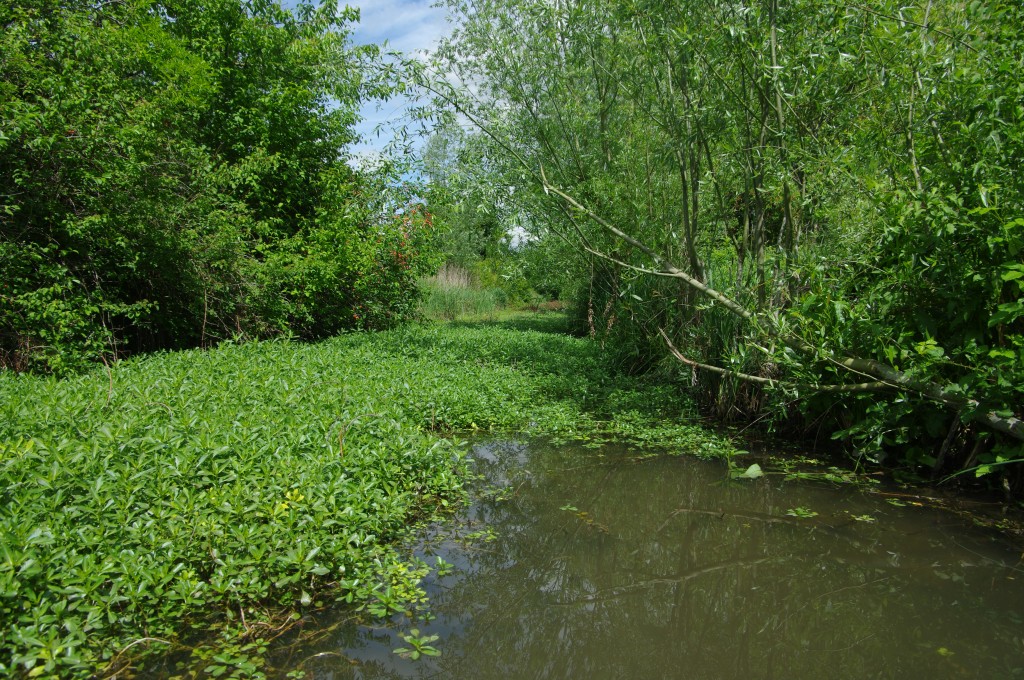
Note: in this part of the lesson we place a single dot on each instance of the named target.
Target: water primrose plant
(218, 495)
(419, 645)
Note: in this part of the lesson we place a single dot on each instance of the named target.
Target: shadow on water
(610, 565)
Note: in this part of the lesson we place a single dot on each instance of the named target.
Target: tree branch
(859, 387)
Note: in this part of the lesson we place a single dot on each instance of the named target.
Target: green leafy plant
(443, 568)
(178, 177)
(188, 491)
(803, 269)
(419, 645)
(752, 472)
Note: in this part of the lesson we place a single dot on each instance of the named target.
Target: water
(663, 570)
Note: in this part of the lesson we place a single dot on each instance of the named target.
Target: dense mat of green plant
(184, 489)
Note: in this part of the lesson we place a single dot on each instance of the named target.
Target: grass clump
(234, 488)
(453, 294)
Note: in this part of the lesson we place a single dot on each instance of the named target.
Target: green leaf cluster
(845, 175)
(175, 173)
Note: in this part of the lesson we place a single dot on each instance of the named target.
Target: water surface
(611, 564)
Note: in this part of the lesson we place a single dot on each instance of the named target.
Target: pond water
(609, 564)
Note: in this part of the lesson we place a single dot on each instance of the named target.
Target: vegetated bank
(814, 207)
(232, 489)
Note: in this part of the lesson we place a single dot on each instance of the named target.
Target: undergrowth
(454, 293)
(150, 503)
(450, 303)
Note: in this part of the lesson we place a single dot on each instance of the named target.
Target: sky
(409, 26)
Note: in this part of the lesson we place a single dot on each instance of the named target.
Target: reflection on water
(664, 571)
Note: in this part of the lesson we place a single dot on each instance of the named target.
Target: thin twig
(107, 672)
(952, 37)
(110, 378)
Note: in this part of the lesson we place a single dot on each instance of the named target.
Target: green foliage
(478, 229)
(186, 490)
(419, 645)
(937, 292)
(449, 303)
(175, 175)
(455, 293)
(548, 265)
(847, 176)
(443, 568)
(752, 472)
(473, 218)
(801, 512)
(196, 486)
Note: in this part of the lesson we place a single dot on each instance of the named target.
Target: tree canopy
(810, 205)
(174, 173)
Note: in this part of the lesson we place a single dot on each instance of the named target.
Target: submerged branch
(750, 516)
(673, 580)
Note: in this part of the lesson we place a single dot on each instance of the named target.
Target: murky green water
(664, 571)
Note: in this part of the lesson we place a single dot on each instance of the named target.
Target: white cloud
(408, 26)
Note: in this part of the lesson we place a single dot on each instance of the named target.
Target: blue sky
(408, 26)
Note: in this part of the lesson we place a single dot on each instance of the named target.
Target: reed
(453, 294)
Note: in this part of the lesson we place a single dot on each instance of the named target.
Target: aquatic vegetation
(754, 471)
(236, 488)
(795, 464)
(192, 488)
(443, 568)
(419, 645)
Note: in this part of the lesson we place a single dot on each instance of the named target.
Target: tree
(174, 175)
(741, 155)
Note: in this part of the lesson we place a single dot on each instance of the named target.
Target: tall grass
(453, 294)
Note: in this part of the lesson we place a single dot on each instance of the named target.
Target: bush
(175, 176)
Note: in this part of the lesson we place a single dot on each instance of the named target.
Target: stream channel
(611, 564)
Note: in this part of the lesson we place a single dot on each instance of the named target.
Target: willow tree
(806, 196)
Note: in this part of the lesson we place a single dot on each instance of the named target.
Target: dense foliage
(478, 228)
(817, 203)
(235, 486)
(174, 174)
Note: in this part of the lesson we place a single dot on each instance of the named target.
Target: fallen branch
(1009, 425)
(751, 516)
(620, 591)
(771, 382)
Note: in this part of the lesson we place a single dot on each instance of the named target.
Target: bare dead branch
(859, 387)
